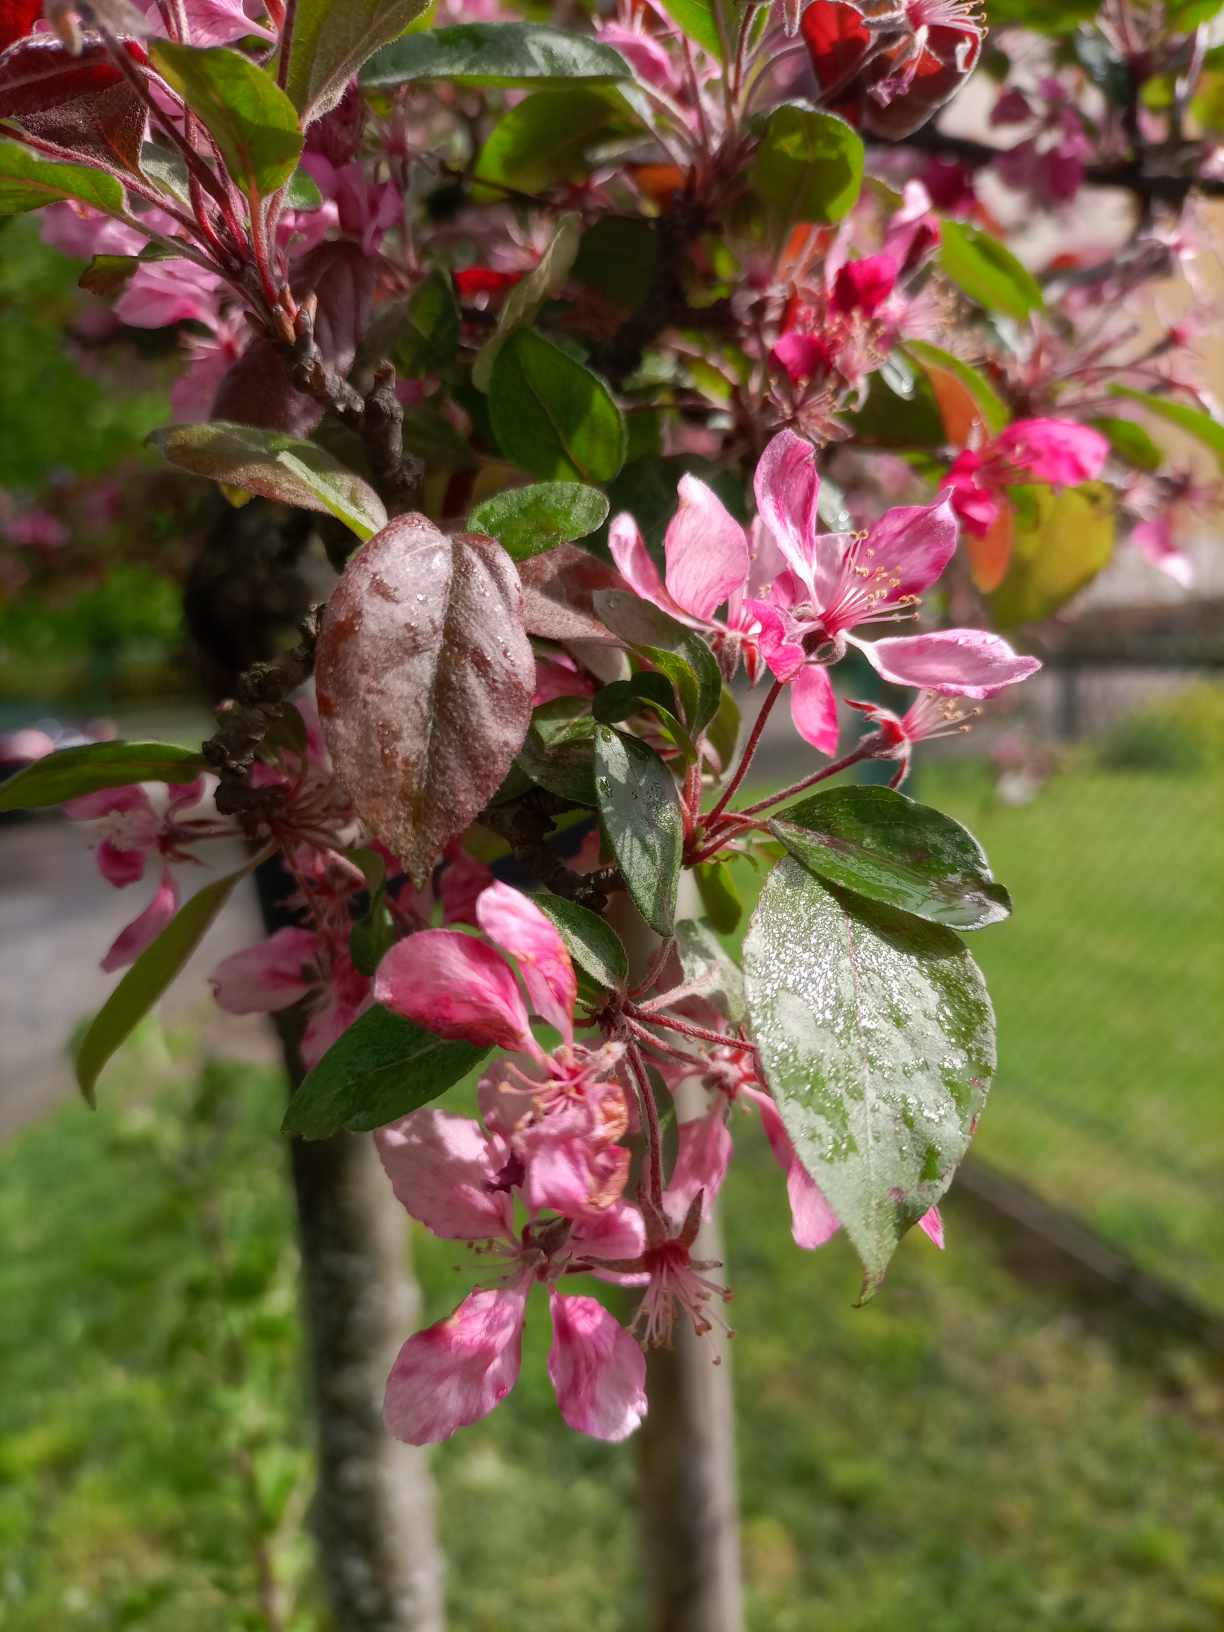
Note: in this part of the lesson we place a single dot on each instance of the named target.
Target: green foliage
(75, 771)
(495, 54)
(422, 333)
(698, 19)
(381, 1068)
(639, 810)
(254, 123)
(809, 167)
(525, 521)
(330, 43)
(600, 960)
(1061, 541)
(1193, 421)
(547, 137)
(987, 271)
(876, 1037)
(553, 416)
(672, 647)
(28, 182)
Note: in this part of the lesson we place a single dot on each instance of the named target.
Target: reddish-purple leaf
(17, 18)
(425, 676)
(40, 73)
(558, 587)
(107, 128)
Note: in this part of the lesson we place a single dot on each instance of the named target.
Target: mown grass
(966, 1452)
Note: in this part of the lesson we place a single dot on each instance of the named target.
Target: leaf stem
(750, 748)
(650, 1121)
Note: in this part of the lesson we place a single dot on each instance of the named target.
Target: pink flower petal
(706, 549)
(813, 708)
(953, 662)
(864, 285)
(273, 975)
(144, 930)
(636, 565)
(704, 1150)
(454, 1373)
(1057, 451)
(787, 489)
(575, 1174)
(813, 1221)
(442, 1169)
(119, 865)
(913, 544)
(782, 652)
(1155, 540)
(519, 927)
(617, 1232)
(455, 986)
(597, 1370)
(931, 1225)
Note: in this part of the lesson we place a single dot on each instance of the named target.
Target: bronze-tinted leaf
(425, 677)
(80, 104)
(558, 590)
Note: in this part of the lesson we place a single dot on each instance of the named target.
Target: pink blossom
(291, 965)
(458, 1181)
(864, 285)
(164, 292)
(1057, 451)
(26, 744)
(37, 529)
(929, 715)
(146, 926)
(1154, 538)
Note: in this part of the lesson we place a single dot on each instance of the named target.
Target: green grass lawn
(966, 1453)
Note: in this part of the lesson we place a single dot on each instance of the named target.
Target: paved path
(57, 917)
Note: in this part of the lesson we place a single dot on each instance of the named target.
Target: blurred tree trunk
(687, 1492)
(373, 1514)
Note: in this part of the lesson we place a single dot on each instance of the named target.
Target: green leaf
(526, 521)
(675, 650)
(809, 167)
(1129, 441)
(381, 1068)
(650, 692)
(331, 40)
(28, 182)
(495, 54)
(276, 466)
(640, 810)
(426, 333)
(987, 271)
(876, 1037)
(900, 410)
(1060, 542)
(719, 897)
(709, 970)
(696, 18)
(374, 932)
(303, 192)
(551, 415)
(993, 409)
(878, 843)
(148, 978)
(545, 139)
(254, 123)
(558, 751)
(597, 952)
(544, 282)
(722, 732)
(618, 258)
(95, 765)
(1193, 421)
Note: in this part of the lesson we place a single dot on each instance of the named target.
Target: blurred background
(1024, 1431)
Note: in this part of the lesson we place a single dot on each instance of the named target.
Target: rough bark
(687, 1486)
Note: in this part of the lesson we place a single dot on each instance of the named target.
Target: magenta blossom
(929, 715)
(458, 1181)
(131, 825)
(291, 965)
(1056, 451)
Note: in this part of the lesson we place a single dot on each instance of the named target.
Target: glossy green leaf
(558, 751)
(597, 951)
(496, 54)
(425, 336)
(640, 810)
(525, 521)
(1129, 441)
(28, 182)
(878, 843)
(876, 1037)
(651, 693)
(697, 19)
(1060, 542)
(1193, 421)
(618, 257)
(303, 193)
(378, 1070)
(719, 896)
(993, 409)
(675, 650)
(545, 140)
(722, 731)
(276, 466)
(809, 166)
(987, 271)
(72, 772)
(253, 122)
(146, 980)
(551, 415)
(709, 969)
(900, 410)
(331, 40)
(373, 934)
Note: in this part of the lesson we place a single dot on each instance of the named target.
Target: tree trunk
(686, 1473)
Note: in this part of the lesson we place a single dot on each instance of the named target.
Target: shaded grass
(966, 1452)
